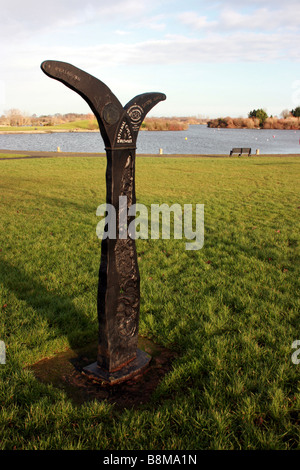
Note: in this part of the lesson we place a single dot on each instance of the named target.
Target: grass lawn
(230, 310)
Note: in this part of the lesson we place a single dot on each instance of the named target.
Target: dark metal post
(119, 281)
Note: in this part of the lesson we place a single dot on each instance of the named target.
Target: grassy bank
(230, 310)
(74, 126)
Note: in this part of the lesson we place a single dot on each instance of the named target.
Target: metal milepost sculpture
(118, 302)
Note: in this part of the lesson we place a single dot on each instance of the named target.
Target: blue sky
(216, 58)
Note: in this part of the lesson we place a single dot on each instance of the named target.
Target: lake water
(196, 140)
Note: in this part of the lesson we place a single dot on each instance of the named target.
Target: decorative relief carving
(111, 113)
(128, 301)
(127, 181)
(126, 264)
(124, 135)
(135, 112)
(68, 73)
(118, 274)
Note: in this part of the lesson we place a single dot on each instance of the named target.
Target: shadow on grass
(64, 370)
(86, 207)
(64, 319)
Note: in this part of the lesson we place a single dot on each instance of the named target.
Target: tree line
(258, 118)
(14, 117)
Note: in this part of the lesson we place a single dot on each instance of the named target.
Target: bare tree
(15, 117)
(285, 113)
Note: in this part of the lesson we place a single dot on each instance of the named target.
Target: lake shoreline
(57, 131)
(85, 131)
(26, 154)
(197, 140)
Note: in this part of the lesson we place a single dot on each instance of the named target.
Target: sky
(211, 58)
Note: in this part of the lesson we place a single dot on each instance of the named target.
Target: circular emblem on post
(135, 112)
(111, 113)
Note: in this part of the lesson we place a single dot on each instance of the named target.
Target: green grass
(86, 124)
(231, 310)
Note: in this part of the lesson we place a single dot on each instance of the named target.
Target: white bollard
(160, 151)
(58, 149)
(257, 151)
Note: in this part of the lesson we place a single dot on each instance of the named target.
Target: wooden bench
(241, 151)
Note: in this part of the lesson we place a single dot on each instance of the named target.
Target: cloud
(173, 49)
(121, 32)
(152, 22)
(216, 48)
(259, 19)
(190, 18)
(262, 19)
(20, 20)
(251, 3)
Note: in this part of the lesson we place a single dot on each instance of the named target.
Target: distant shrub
(229, 122)
(259, 114)
(248, 123)
(164, 124)
(292, 123)
(270, 123)
(296, 112)
(238, 122)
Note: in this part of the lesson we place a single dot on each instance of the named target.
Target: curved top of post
(118, 126)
